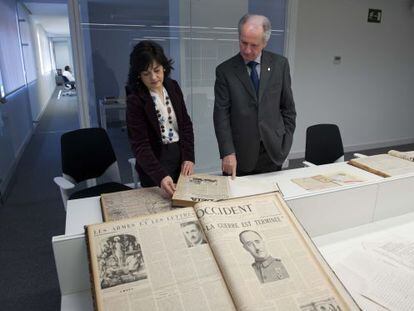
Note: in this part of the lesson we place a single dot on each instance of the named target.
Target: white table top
(81, 212)
(254, 184)
(338, 246)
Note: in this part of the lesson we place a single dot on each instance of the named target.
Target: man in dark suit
(254, 111)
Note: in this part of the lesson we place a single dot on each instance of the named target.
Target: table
(321, 213)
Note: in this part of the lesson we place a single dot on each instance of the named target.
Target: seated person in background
(67, 73)
(159, 128)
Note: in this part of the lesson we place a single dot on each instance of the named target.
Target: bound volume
(241, 254)
(200, 187)
(386, 165)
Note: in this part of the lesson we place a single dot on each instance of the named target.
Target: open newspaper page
(132, 203)
(200, 187)
(320, 182)
(384, 165)
(407, 155)
(267, 259)
(155, 262)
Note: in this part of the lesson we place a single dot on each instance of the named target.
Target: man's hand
(187, 168)
(167, 184)
(229, 165)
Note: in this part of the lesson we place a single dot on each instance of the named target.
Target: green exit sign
(374, 16)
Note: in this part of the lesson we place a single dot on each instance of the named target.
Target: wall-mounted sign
(374, 16)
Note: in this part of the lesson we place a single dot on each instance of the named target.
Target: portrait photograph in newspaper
(266, 257)
(193, 233)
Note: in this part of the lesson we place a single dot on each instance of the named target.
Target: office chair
(69, 87)
(323, 145)
(87, 154)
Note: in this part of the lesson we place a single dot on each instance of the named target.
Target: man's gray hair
(267, 27)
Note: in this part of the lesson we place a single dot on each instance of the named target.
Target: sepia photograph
(193, 234)
(267, 268)
(120, 261)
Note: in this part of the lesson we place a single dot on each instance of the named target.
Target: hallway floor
(33, 213)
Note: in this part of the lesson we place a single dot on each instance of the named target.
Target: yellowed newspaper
(267, 259)
(384, 165)
(406, 155)
(333, 180)
(155, 262)
(132, 203)
(200, 187)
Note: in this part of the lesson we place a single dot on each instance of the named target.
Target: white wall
(62, 54)
(370, 95)
(45, 84)
(27, 103)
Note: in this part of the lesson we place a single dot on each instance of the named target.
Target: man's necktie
(253, 75)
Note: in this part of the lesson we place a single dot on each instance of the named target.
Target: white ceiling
(52, 16)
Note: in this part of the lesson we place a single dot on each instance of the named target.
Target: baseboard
(361, 147)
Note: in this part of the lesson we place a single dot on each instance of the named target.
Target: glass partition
(197, 35)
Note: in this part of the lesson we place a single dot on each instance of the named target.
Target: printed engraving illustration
(120, 260)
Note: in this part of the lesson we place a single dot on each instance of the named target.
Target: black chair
(87, 154)
(69, 85)
(323, 145)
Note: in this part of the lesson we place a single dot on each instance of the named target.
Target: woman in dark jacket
(159, 128)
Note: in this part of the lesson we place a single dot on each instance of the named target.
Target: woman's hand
(167, 184)
(187, 168)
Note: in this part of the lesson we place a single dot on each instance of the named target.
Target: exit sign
(374, 16)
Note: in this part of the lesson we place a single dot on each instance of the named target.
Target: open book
(241, 254)
(200, 187)
(384, 165)
(132, 203)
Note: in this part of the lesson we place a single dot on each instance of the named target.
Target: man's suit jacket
(242, 120)
(144, 130)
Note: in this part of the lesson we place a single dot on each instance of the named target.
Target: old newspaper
(384, 165)
(241, 254)
(132, 203)
(406, 155)
(155, 262)
(200, 187)
(267, 259)
(319, 182)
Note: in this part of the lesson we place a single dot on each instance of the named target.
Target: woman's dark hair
(144, 54)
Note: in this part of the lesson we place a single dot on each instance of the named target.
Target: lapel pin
(268, 68)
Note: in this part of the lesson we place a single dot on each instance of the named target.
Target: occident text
(227, 210)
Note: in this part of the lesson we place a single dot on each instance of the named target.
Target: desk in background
(108, 105)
